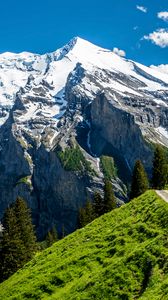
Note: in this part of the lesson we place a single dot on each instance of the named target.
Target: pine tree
(63, 231)
(12, 248)
(89, 216)
(160, 170)
(51, 237)
(26, 229)
(18, 243)
(139, 180)
(81, 217)
(97, 205)
(109, 198)
(86, 214)
(54, 234)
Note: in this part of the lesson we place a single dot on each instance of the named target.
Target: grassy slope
(122, 255)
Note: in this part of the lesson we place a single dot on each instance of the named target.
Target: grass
(108, 167)
(25, 180)
(22, 143)
(121, 255)
(72, 159)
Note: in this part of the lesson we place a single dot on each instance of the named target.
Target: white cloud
(158, 37)
(163, 15)
(119, 52)
(160, 68)
(142, 8)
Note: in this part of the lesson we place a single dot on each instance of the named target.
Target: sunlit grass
(122, 255)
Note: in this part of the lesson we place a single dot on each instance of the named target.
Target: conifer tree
(63, 231)
(160, 170)
(24, 222)
(86, 214)
(89, 216)
(54, 234)
(81, 217)
(139, 180)
(109, 198)
(12, 248)
(18, 243)
(51, 237)
(97, 205)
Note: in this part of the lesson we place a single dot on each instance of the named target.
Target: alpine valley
(64, 116)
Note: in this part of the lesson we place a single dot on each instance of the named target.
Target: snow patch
(160, 102)
(162, 131)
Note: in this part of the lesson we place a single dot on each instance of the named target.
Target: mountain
(60, 113)
(121, 255)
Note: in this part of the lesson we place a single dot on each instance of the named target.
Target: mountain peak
(82, 43)
(76, 45)
(78, 40)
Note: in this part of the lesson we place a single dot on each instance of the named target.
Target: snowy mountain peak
(76, 46)
(81, 66)
(74, 41)
(79, 43)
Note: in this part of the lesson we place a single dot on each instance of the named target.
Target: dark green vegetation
(99, 205)
(108, 167)
(160, 168)
(121, 255)
(140, 182)
(72, 159)
(25, 180)
(86, 214)
(109, 198)
(51, 237)
(18, 243)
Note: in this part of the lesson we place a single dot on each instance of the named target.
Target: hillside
(122, 255)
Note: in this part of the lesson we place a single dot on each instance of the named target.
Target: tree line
(99, 206)
(140, 181)
(140, 184)
(19, 244)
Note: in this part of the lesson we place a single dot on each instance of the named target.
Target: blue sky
(42, 26)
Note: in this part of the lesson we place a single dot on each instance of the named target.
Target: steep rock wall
(116, 127)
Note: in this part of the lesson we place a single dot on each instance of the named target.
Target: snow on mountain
(14, 73)
(40, 81)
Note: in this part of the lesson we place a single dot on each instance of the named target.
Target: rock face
(116, 127)
(84, 101)
(59, 193)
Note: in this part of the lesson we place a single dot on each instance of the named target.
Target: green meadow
(121, 255)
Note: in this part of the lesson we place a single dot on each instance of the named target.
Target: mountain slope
(79, 96)
(122, 255)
